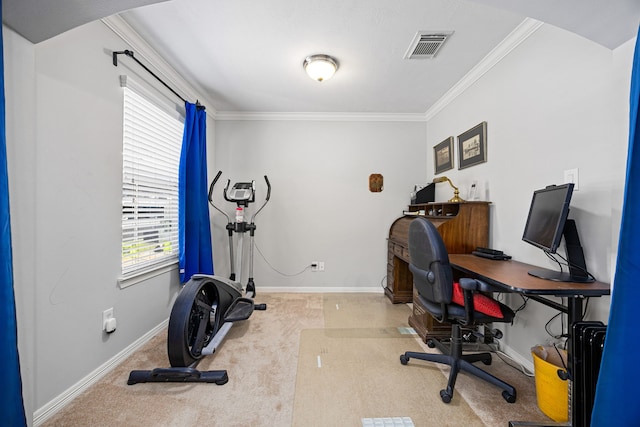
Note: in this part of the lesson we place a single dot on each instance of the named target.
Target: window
(152, 142)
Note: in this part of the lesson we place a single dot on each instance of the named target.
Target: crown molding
(154, 60)
(328, 117)
(522, 32)
(123, 30)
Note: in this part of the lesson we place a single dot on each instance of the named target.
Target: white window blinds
(151, 156)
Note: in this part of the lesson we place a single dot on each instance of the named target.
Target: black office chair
(433, 279)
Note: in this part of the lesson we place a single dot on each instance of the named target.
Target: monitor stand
(575, 259)
(558, 276)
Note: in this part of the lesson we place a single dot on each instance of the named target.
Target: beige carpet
(274, 378)
(342, 379)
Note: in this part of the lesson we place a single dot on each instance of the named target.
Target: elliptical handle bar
(268, 188)
(213, 183)
(265, 200)
(224, 192)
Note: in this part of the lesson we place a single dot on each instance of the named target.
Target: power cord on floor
(383, 282)
(308, 267)
(509, 361)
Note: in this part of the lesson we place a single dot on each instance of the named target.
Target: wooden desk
(512, 276)
(463, 227)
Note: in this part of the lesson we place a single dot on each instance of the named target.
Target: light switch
(571, 175)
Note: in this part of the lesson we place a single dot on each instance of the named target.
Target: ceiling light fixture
(320, 67)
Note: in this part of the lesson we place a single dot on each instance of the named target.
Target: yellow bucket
(551, 391)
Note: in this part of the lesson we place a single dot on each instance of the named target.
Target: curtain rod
(129, 53)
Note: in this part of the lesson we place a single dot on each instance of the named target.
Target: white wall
(64, 138)
(20, 96)
(321, 208)
(557, 102)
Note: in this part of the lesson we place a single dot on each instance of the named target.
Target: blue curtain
(616, 400)
(11, 405)
(193, 209)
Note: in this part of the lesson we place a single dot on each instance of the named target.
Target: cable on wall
(130, 54)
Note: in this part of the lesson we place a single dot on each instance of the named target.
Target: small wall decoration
(472, 146)
(376, 183)
(443, 156)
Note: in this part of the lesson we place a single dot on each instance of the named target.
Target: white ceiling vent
(426, 44)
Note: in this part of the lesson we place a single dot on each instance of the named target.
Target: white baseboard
(321, 289)
(44, 413)
(517, 357)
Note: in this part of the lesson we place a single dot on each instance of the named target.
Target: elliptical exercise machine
(207, 306)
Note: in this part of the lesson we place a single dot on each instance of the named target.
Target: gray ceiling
(248, 54)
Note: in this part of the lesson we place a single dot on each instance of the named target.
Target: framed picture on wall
(443, 156)
(472, 146)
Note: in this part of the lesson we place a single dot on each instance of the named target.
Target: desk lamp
(456, 193)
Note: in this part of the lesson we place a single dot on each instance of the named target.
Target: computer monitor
(547, 223)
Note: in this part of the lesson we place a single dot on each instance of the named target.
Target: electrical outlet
(572, 176)
(106, 315)
(314, 266)
(321, 266)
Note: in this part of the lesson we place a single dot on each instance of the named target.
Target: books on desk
(491, 254)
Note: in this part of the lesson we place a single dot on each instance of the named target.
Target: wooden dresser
(463, 227)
